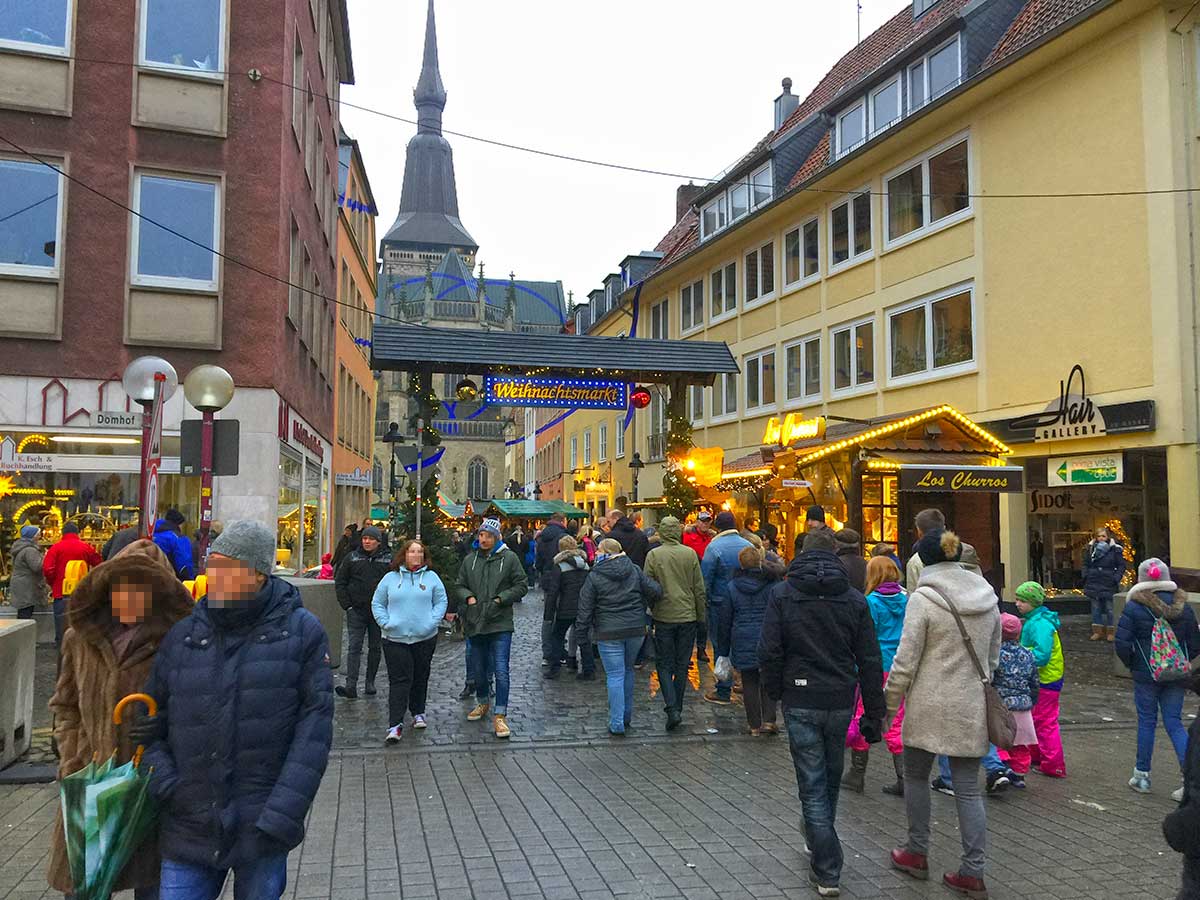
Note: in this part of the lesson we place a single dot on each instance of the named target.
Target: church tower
(427, 226)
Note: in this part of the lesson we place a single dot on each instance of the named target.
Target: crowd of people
(840, 650)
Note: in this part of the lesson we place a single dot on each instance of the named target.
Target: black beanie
(815, 514)
(939, 546)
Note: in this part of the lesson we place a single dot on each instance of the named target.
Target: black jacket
(344, 545)
(119, 541)
(547, 547)
(562, 583)
(852, 561)
(1182, 827)
(1103, 568)
(247, 694)
(614, 599)
(632, 539)
(818, 641)
(359, 574)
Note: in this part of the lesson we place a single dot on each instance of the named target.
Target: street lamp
(392, 438)
(151, 381)
(636, 465)
(209, 389)
(537, 491)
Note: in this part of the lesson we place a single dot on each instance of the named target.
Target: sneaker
(714, 697)
(966, 884)
(823, 890)
(500, 726)
(477, 713)
(998, 781)
(941, 785)
(673, 719)
(545, 663)
(467, 692)
(419, 723)
(1016, 779)
(909, 863)
(370, 691)
(1140, 782)
(770, 728)
(1177, 795)
(394, 734)
(346, 691)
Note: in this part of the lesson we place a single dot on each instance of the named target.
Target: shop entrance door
(974, 517)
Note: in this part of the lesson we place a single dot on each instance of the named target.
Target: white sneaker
(1140, 781)
(394, 734)
(1177, 795)
(419, 722)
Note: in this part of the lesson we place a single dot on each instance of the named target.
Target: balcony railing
(450, 310)
(656, 447)
(462, 429)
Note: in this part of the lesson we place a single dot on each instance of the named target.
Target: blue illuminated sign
(563, 393)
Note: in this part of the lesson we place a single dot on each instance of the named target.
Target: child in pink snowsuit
(1039, 634)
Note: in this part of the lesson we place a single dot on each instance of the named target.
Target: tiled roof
(750, 462)
(678, 241)
(877, 49)
(1036, 19)
(817, 160)
(678, 230)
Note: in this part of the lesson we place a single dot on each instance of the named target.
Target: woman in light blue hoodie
(409, 605)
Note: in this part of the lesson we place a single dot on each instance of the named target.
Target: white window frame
(804, 280)
(223, 46)
(741, 184)
(725, 415)
(762, 405)
(574, 452)
(619, 431)
(722, 209)
(757, 249)
(923, 62)
(770, 185)
(49, 49)
(929, 373)
(852, 260)
(804, 397)
(602, 442)
(879, 127)
(920, 7)
(298, 98)
(186, 284)
(44, 273)
(690, 305)
(726, 311)
(855, 388)
(660, 314)
(587, 447)
(694, 391)
(842, 149)
(927, 194)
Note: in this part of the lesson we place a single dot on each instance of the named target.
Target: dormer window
(920, 6)
(851, 128)
(740, 199)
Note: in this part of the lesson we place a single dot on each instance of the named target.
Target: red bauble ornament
(640, 398)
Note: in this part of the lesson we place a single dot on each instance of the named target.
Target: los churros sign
(567, 393)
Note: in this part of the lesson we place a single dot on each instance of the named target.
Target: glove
(870, 729)
(145, 730)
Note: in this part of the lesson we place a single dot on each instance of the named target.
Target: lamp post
(392, 438)
(636, 465)
(209, 389)
(537, 491)
(151, 381)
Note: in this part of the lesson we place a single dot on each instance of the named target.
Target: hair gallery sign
(1072, 416)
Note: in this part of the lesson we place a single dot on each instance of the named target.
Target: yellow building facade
(1012, 248)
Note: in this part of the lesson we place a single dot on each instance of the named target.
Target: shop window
(188, 206)
(911, 207)
(803, 361)
(724, 396)
(691, 306)
(801, 258)
(42, 25)
(314, 517)
(183, 34)
(854, 355)
(477, 479)
(724, 291)
(291, 472)
(934, 334)
(30, 218)
(760, 272)
(880, 509)
(850, 229)
(760, 380)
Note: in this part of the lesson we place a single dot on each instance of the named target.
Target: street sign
(109, 419)
(152, 458)
(796, 483)
(226, 438)
(1102, 468)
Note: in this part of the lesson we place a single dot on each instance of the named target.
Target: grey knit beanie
(1153, 569)
(250, 542)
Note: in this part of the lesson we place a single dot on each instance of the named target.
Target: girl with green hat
(1039, 634)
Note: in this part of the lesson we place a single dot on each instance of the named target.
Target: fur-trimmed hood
(1147, 594)
(90, 610)
(571, 559)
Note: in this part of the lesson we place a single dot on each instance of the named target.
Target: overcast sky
(665, 84)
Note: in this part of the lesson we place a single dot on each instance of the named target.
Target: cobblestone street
(564, 811)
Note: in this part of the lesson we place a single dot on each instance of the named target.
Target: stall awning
(532, 509)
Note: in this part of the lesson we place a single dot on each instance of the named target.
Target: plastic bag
(722, 668)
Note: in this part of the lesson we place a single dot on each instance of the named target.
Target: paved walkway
(563, 811)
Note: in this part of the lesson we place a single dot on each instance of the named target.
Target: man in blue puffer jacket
(719, 565)
(168, 534)
(244, 725)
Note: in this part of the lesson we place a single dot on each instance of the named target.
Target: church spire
(430, 94)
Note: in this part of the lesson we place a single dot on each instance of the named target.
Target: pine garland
(679, 494)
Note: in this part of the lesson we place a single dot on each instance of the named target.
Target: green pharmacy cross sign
(1103, 468)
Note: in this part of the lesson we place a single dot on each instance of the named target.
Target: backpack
(73, 574)
(1167, 660)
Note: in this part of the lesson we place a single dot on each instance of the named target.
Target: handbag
(1001, 725)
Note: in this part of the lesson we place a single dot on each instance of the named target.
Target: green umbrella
(107, 812)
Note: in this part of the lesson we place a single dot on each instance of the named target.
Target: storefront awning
(532, 509)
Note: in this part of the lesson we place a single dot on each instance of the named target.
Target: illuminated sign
(565, 393)
(793, 429)
(962, 479)
(1070, 417)
(1105, 468)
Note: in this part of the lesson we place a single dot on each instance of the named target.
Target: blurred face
(414, 557)
(231, 581)
(130, 602)
(705, 525)
(370, 544)
(1023, 608)
(348, 531)
(1101, 534)
(487, 540)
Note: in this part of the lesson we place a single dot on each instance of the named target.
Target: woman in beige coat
(944, 707)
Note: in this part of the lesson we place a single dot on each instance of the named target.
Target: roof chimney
(684, 195)
(785, 103)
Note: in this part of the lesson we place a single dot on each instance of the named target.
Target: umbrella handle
(118, 711)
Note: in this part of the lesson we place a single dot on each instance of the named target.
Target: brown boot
(1097, 633)
(1111, 633)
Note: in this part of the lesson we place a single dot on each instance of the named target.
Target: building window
(183, 34)
(696, 403)
(587, 448)
(934, 334)
(30, 218)
(42, 25)
(885, 106)
(919, 6)
(724, 291)
(295, 275)
(854, 355)
(760, 380)
(574, 452)
(803, 373)
(691, 306)
(188, 206)
(297, 90)
(850, 229)
(934, 75)
(739, 201)
(658, 321)
(310, 128)
(801, 257)
(477, 479)
(602, 440)
(724, 396)
(761, 187)
(851, 128)
(911, 208)
(619, 430)
(712, 218)
(760, 272)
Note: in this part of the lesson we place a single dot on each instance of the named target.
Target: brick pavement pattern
(563, 811)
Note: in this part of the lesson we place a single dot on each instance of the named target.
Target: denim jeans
(618, 658)
(490, 653)
(147, 893)
(360, 623)
(1149, 697)
(817, 739)
(991, 763)
(724, 688)
(60, 620)
(1101, 610)
(673, 652)
(972, 817)
(263, 879)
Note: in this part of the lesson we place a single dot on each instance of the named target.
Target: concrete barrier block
(18, 645)
(320, 599)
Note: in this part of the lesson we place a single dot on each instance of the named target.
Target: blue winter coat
(177, 547)
(720, 564)
(1016, 677)
(887, 612)
(1142, 608)
(247, 694)
(742, 617)
(409, 605)
(1103, 568)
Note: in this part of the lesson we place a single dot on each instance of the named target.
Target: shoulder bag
(1001, 726)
